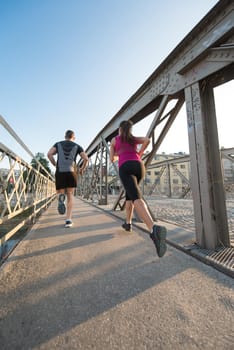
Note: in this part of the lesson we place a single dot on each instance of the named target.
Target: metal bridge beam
(206, 172)
(207, 49)
(204, 59)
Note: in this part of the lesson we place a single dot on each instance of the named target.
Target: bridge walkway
(94, 286)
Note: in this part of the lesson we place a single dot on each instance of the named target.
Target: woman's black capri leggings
(131, 173)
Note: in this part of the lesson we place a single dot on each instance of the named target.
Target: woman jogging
(124, 147)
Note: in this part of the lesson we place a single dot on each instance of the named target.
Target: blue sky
(72, 64)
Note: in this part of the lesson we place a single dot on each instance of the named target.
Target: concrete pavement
(94, 286)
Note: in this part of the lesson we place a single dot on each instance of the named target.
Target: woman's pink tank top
(125, 151)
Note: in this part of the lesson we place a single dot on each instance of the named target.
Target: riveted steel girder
(203, 60)
(205, 50)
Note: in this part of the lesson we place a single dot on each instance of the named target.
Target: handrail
(24, 190)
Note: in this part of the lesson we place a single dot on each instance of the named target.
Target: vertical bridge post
(206, 172)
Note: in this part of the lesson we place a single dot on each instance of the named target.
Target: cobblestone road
(180, 212)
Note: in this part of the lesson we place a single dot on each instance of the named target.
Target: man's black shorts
(65, 180)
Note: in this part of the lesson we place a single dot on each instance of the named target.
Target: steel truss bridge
(203, 60)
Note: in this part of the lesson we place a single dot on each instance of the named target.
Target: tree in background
(29, 176)
(40, 157)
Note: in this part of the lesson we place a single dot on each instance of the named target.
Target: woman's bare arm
(144, 141)
(113, 155)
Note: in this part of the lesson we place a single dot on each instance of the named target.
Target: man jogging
(66, 174)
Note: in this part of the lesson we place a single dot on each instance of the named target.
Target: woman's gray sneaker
(158, 236)
(127, 227)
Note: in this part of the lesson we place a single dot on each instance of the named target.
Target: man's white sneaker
(68, 223)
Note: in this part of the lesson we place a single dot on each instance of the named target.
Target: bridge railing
(24, 190)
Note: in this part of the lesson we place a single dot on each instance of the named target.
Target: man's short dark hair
(69, 134)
